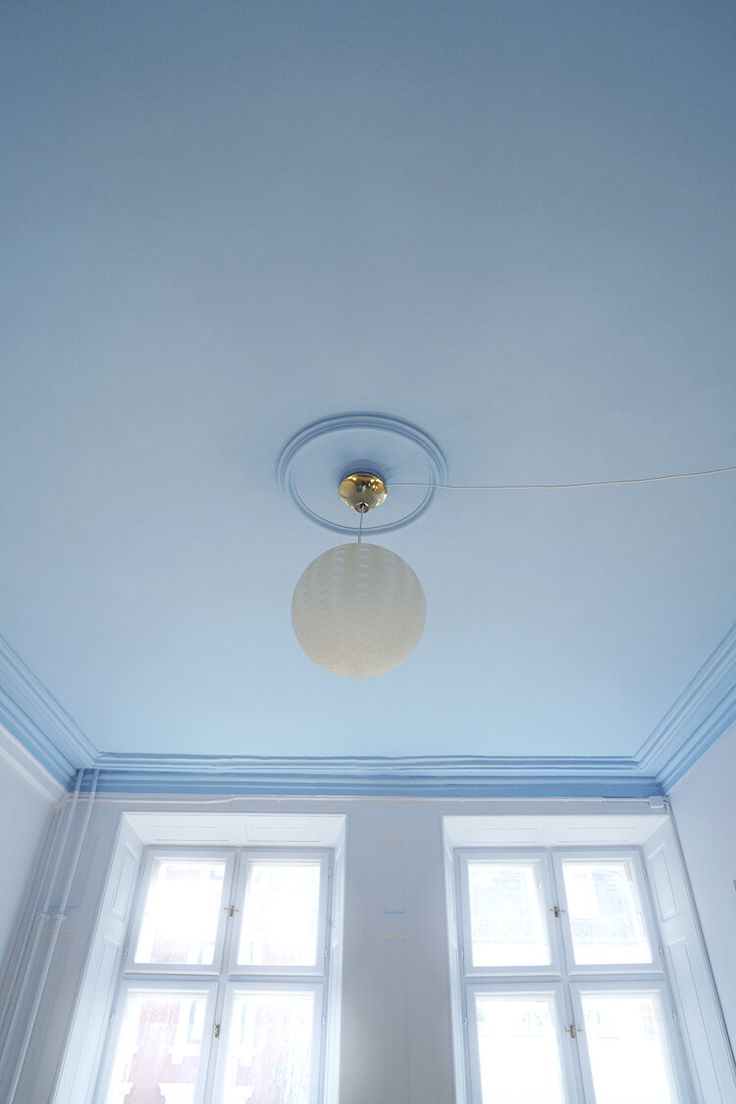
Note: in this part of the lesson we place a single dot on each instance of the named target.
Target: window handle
(557, 911)
(231, 910)
(574, 1031)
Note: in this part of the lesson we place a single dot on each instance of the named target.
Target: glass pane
(280, 915)
(519, 1049)
(157, 1056)
(507, 922)
(626, 1044)
(182, 912)
(269, 1048)
(605, 913)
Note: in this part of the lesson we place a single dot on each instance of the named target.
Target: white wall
(396, 1031)
(704, 804)
(396, 1041)
(27, 796)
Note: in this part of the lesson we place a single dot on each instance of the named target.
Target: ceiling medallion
(322, 454)
(359, 610)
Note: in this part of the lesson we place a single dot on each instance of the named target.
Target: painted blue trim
(33, 715)
(702, 713)
(372, 776)
(284, 783)
(705, 710)
(287, 468)
(430, 765)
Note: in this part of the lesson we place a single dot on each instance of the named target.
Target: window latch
(557, 911)
(231, 910)
(574, 1031)
(217, 1031)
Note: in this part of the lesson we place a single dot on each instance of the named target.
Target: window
(563, 994)
(223, 991)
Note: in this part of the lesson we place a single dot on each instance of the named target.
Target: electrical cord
(565, 486)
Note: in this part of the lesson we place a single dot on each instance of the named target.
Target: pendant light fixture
(358, 610)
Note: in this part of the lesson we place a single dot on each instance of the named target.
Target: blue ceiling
(511, 224)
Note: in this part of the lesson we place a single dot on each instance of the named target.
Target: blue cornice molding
(369, 776)
(702, 713)
(705, 710)
(30, 713)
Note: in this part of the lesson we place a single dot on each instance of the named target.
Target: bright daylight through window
(223, 993)
(564, 997)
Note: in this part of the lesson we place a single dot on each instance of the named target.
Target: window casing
(563, 993)
(224, 987)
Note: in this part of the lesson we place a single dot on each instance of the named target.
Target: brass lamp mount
(363, 491)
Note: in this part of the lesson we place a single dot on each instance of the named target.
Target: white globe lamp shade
(358, 610)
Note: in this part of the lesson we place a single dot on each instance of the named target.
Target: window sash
(151, 856)
(161, 984)
(553, 968)
(286, 857)
(555, 992)
(674, 1063)
(230, 990)
(633, 858)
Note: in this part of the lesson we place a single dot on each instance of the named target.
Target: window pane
(519, 1049)
(627, 1049)
(158, 1050)
(507, 922)
(269, 1048)
(606, 917)
(182, 912)
(280, 915)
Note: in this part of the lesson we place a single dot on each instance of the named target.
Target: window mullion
(555, 910)
(216, 1039)
(567, 960)
(217, 1035)
(573, 1030)
(570, 1027)
(569, 1041)
(233, 907)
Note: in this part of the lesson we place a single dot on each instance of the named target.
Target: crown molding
(705, 710)
(34, 717)
(368, 776)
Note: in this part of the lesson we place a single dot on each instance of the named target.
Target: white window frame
(161, 983)
(674, 1059)
(217, 1069)
(151, 855)
(553, 939)
(566, 979)
(290, 857)
(526, 987)
(624, 854)
(224, 977)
